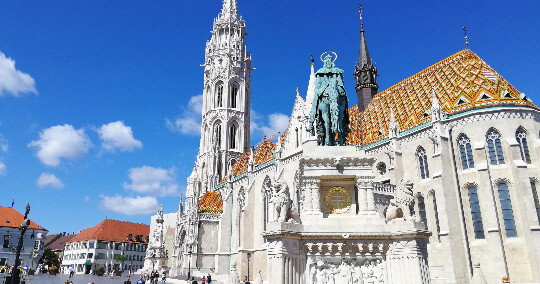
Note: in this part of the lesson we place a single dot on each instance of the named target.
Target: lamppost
(153, 260)
(189, 261)
(15, 271)
(248, 257)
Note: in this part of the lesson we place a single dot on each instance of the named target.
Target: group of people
(204, 280)
(152, 278)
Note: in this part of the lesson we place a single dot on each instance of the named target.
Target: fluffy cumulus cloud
(130, 205)
(153, 181)
(116, 135)
(13, 81)
(271, 125)
(61, 141)
(3, 169)
(49, 180)
(190, 121)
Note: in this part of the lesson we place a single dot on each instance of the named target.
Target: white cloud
(4, 146)
(13, 81)
(190, 121)
(3, 169)
(116, 135)
(49, 180)
(129, 205)
(86, 198)
(277, 122)
(153, 181)
(61, 141)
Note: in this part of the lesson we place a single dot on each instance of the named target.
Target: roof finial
(360, 10)
(312, 60)
(297, 91)
(466, 38)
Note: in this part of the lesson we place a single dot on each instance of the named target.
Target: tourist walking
(164, 278)
(152, 275)
(141, 280)
(193, 281)
(70, 271)
(208, 279)
(128, 280)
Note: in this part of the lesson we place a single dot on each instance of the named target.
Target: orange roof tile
(113, 230)
(461, 82)
(10, 217)
(211, 203)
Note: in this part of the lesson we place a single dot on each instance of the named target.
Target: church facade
(436, 183)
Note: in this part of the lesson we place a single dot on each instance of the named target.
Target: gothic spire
(230, 9)
(365, 71)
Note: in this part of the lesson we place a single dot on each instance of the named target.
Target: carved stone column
(316, 199)
(370, 197)
(362, 195)
(307, 205)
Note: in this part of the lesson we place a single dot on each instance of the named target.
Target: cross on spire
(360, 10)
(466, 38)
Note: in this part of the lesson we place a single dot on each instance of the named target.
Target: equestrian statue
(330, 107)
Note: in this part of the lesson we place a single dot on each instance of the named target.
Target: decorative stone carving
(401, 205)
(346, 271)
(338, 200)
(280, 196)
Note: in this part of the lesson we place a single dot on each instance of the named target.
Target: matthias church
(433, 180)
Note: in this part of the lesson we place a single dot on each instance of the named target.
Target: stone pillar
(362, 195)
(316, 199)
(408, 264)
(307, 199)
(370, 197)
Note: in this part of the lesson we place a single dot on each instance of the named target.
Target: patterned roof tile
(211, 203)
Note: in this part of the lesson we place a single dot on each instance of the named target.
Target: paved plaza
(86, 279)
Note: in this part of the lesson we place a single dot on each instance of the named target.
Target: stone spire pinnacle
(230, 9)
(365, 71)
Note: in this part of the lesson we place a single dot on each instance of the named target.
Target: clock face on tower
(338, 200)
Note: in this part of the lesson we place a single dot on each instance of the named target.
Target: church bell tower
(365, 72)
(226, 98)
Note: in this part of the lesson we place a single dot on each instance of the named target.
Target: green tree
(120, 258)
(50, 258)
(33, 255)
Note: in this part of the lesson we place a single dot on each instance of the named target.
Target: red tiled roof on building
(10, 217)
(113, 231)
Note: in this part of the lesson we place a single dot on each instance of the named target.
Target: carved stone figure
(330, 110)
(281, 198)
(401, 205)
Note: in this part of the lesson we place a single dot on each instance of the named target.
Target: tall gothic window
(508, 214)
(536, 201)
(475, 212)
(219, 95)
(217, 134)
(422, 162)
(422, 210)
(232, 136)
(521, 137)
(234, 95)
(436, 213)
(465, 150)
(495, 148)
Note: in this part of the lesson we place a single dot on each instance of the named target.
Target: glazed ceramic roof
(113, 230)
(10, 217)
(211, 203)
(263, 154)
(461, 82)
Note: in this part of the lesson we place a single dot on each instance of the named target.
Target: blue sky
(87, 87)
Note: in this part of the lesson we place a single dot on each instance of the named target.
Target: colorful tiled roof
(10, 217)
(262, 155)
(113, 231)
(211, 203)
(461, 82)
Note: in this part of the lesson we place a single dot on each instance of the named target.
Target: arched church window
(436, 213)
(217, 134)
(422, 210)
(495, 147)
(536, 201)
(507, 212)
(521, 137)
(478, 225)
(219, 95)
(232, 136)
(422, 163)
(465, 150)
(234, 95)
